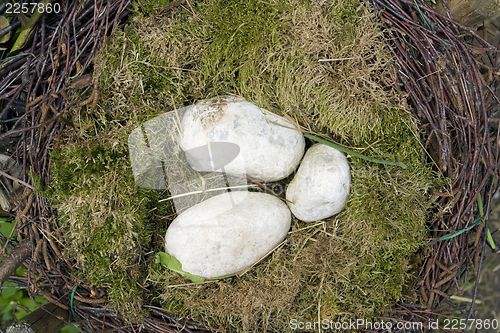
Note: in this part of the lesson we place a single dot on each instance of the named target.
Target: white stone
(321, 186)
(270, 145)
(216, 237)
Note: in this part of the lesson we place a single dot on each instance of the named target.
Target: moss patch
(324, 64)
(105, 217)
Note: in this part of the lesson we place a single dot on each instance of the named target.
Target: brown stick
(443, 281)
(440, 293)
(15, 259)
(424, 295)
(264, 187)
(90, 300)
(48, 297)
(17, 180)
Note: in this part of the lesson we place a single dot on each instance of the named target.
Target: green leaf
(8, 292)
(41, 300)
(19, 295)
(7, 312)
(27, 32)
(69, 329)
(20, 271)
(29, 303)
(6, 228)
(173, 264)
(20, 313)
(4, 23)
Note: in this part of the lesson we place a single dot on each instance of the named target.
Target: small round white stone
(321, 186)
(227, 233)
(271, 146)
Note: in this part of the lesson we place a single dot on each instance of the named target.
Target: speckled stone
(321, 186)
(271, 146)
(218, 237)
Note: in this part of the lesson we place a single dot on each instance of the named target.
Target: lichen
(323, 64)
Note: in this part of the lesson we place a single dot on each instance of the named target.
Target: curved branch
(15, 259)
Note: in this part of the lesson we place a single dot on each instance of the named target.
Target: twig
(15, 259)
(17, 180)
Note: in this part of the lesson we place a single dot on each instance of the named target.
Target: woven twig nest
(421, 59)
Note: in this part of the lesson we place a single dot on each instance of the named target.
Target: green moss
(323, 64)
(149, 7)
(104, 216)
(346, 15)
(239, 32)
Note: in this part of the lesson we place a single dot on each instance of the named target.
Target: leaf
(173, 264)
(41, 300)
(20, 313)
(27, 32)
(8, 292)
(29, 303)
(4, 23)
(20, 271)
(6, 226)
(23, 19)
(69, 329)
(7, 311)
(19, 295)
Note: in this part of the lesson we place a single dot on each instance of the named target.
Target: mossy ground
(322, 63)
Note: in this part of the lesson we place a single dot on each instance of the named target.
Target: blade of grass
(481, 212)
(421, 14)
(352, 152)
(477, 222)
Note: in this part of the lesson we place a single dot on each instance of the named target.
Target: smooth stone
(217, 237)
(271, 146)
(321, 186)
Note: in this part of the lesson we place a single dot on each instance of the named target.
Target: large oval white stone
(227, 233)
(321, 185)
(270, 146)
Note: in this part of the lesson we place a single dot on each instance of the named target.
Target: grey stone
(227, 233)
(271, 146)
(321, 186)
